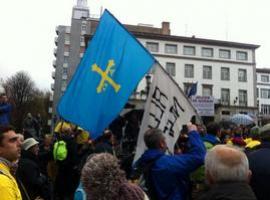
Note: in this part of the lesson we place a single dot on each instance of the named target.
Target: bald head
(226, 163)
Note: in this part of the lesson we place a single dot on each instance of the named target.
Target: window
(81, 39)
(242, 75)
(207, 52)
(82, 49)
(64, 85)
(265, 93)
(225, 74)
(170, 68)
(241, 55)
(171, 48)
(265, 78)
(152, 46)
(242, 98)
(65, 59)
(65, 71)
(83, 28)
(207, 90)
(265, 109)
(67, 37)
(207, 72)
(225, 96)
(189, 50)
(187, 87)
(257, 92)
(66, 48)
(223, 53)
(189, 71)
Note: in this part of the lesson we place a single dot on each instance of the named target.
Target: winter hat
(102, 177)
(28, 143)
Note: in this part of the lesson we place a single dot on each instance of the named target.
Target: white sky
(28, 27)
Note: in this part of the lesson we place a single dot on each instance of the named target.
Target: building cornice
(195, 40)
(203, 59)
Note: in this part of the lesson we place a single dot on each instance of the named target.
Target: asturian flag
(113, 64)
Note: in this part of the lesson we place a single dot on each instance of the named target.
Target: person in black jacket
(227, 172)
(259, 161)
(29, 174)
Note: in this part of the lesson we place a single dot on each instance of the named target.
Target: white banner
(167, 108)
(204, 105)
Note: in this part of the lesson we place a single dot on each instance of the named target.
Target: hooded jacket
(170, 173)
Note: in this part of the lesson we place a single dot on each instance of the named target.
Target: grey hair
(152, 137)
(102, 177)
(226, 163)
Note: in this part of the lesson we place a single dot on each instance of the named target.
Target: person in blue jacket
(5, 109)
(168, 175)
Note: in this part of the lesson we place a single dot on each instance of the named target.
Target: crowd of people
(209, 162)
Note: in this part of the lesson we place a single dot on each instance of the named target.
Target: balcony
(65, 65)
(54, 63)
(67, 42)
(63, 88)
(67, 29)
(57, 29)
(52, 86)
(64, 76)
(55, 52)
(82, 44)
(56, 40)
(53, 74)
(66, 53)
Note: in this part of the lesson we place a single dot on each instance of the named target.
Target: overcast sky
(28, 27)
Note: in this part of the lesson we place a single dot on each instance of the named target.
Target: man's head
(226, 163)
(213, 128)
(10, 144)
(154, 139)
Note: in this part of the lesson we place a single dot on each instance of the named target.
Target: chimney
(165, 30)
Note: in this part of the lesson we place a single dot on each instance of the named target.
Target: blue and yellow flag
(109, 71)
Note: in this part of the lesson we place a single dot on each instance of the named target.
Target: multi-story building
(263, 93)
(224, 70)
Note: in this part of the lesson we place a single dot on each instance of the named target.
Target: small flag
(193, 90)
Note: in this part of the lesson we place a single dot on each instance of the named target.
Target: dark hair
(4, 129)
(213, 128)
(152, 137)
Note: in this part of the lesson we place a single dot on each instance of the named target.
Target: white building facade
(224, 70)
(263, 93)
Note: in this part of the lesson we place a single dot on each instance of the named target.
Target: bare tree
(20, 90)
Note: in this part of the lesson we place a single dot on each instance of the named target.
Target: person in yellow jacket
(10, 151)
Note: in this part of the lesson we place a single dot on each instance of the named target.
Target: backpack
(60, 150)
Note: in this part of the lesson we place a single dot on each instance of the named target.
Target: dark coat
(259, 164)
(29, 174)
(229, 191)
